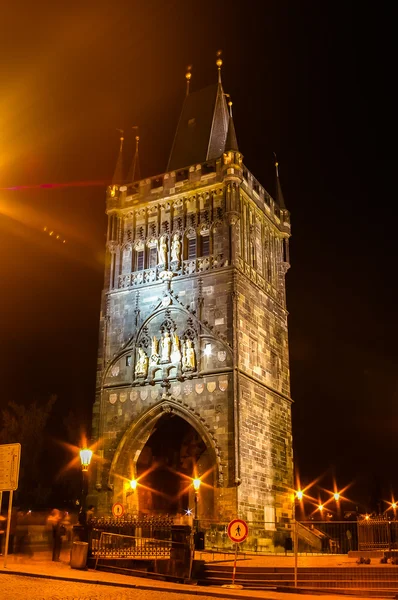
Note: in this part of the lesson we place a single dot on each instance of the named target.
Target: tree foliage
(26, 424)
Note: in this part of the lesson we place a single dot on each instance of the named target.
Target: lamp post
(85, 460)
(196, 485)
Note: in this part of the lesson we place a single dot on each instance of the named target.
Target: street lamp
(196, 485)
(133, 484)
(85, 460)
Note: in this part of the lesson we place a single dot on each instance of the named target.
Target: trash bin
(78, 555)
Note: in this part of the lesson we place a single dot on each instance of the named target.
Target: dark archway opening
(173, 454)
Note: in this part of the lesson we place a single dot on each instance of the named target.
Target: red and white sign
(238, 531)
(118, 509)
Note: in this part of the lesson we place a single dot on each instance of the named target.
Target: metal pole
(196, 513)
(8, 528)
(234, 570)
(295, 552)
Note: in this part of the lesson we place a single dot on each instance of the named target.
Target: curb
(194, 592)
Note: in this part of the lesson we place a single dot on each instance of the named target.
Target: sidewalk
(41, 566)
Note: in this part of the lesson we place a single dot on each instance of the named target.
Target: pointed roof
(202, 128)
(118, 173)
(279, 194)
(134, 172)
(231, 141)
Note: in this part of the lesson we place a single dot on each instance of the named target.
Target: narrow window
(140, 260)
(205, 245)
(252, 255)
(128, 360)
(153, 257)
(191, 248)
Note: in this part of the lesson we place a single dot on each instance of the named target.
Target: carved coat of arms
(199, 387)
(112, 398)
(123, 397)
(223, 384)
(211, 386)
(221, 355)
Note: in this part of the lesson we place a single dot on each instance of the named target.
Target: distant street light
(133, 484)
(299, 495)
(336, 496)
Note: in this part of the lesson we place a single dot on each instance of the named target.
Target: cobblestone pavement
(14, 587)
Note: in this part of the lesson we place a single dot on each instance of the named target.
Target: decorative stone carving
(162, 250)
(188, 356)
(176, 353)
(141, 368)
(176, 249)
(155, 357)
(165, 347)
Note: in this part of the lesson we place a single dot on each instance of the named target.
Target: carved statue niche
(188, 356)
(155, 357)
(176, 249)
(141, 367)
(162, 250)
(175, 353)
(165, 347)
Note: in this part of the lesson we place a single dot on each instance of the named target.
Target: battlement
(189, 179)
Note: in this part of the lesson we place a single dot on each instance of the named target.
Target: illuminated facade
(193, 371)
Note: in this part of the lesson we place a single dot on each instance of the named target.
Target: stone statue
(189, 358)
(176, 353)
(176, 249)
(155, 351)
(166, 347)
(141, 368)
(162, 251)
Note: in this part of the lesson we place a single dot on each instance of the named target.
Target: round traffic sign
(118, 509)
(238, 531)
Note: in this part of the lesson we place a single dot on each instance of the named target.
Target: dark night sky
(310, 80)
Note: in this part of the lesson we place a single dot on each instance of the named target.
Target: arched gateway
(164, 449)
(193, 370)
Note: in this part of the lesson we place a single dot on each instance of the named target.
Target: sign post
(237, 531)
(10, 457)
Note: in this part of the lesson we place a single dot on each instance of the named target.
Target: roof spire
(231, 143)
(219, 64)
(134, 173)
(118, 173)
(188, 76)
(279, 194)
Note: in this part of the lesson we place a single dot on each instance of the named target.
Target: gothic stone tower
(193, 370)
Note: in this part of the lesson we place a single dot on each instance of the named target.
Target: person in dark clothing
(54, 520)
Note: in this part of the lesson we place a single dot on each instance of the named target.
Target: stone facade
(194, 325)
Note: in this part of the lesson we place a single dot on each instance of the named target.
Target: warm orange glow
(394, 505)
(336, 496)
(196, 484)
(367, 517)
(299, 495)
(85, 458)
(320, 507)
(133, 484)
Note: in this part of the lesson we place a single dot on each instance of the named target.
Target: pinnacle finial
(276, 165)
(219, 64)
(121, 138)
(188, 76)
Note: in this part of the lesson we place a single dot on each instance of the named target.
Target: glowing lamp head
(85, 458)
(394, 505)
(320, 507)
(336, 496)
(196, 484)
(299, 495)
(133, 484)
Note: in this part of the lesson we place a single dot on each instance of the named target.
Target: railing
(115, 546)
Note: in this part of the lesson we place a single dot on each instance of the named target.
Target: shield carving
(133, 396)
(221, 355)
(188, 389)
(211, 386)
(144, 394)
(115, 370)
(112, 398)
(223, 384)
(154, 394)
(176, 390)
(123, 397)
(199, 387)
